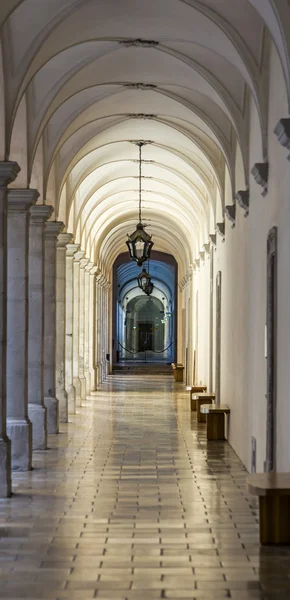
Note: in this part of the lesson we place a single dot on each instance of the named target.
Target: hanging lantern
(139, 242)
(144, 282)
(139, 245)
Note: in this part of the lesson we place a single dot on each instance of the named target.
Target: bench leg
(274, 520)
(192, 404)
(201, 418)
(215, 426)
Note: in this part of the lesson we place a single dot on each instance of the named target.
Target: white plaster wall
(242, 260)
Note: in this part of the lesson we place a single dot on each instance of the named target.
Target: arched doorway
(144, 328)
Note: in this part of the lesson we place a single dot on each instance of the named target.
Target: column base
(62, 405)
(5, 467)
(52, 414)
(93, 380)
(83, 388)
(38, 417)
(88, 383)
(77, 386)
(20, 433)
(71, 400)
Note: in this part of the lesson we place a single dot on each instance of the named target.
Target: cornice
(230, 213)
(220, 229)
(260, 172)
(53, 229)
(243, 199)
(207, 248)
(64, 239)
(89, 267)
(71, 250)
(39, 213)
(21, 199)
(79, 255)
(8, 172)
(282, 131)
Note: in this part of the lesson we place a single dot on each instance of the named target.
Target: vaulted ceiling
(85, 79)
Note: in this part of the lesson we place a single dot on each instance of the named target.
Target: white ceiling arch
(97, 75)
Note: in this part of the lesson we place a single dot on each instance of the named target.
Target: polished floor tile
(131, 502)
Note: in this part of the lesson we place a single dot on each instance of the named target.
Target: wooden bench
(202, 399)
(215, 420)
(273, 490)
(194, 389)
(177, 371)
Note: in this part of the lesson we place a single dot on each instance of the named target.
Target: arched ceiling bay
(98, 76)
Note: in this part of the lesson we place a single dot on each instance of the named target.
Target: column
(76, 317)
(92, 329)
(83, 264)
(36, 408)
(52, 230)
(87, 326)
(97, 332)
(71, 250)
(61, 393)
(19, 427)
(8, 173)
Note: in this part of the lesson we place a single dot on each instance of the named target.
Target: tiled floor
(131, 502)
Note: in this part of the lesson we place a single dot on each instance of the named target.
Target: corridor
(131, 502)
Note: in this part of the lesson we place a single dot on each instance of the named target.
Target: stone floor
(130, 502)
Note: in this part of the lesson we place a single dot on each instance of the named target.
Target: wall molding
(243, 199)
(230, 213)
(220, 229)
(260, 172)
(282, 131)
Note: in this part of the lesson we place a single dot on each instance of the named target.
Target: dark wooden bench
(177, 371)
(273, 490)
(194, 389)
(200, 399)
(215, 420)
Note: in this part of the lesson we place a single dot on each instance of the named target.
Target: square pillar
(61, 393)
(76, 324)
(52, 230)
(36, 408)
(19, 427)
(87, 326)
(92, 328)
(8, 173)
(71, 250)
(83, 264)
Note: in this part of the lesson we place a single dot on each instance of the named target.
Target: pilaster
(76, 324)
(8, 173)
(61, 393)
(83, 264)
(52, 230)
(19, 427)
(87, 326)
(71, 250)
(37, 413)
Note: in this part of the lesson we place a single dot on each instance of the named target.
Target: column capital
(39, 213)
(94, 270)
(8, 172)
(282, 131)
(21, 199)
(89, 266)
(71, 250)
(64, 239)
(83, 262)
(53, 229)
(78, 255)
